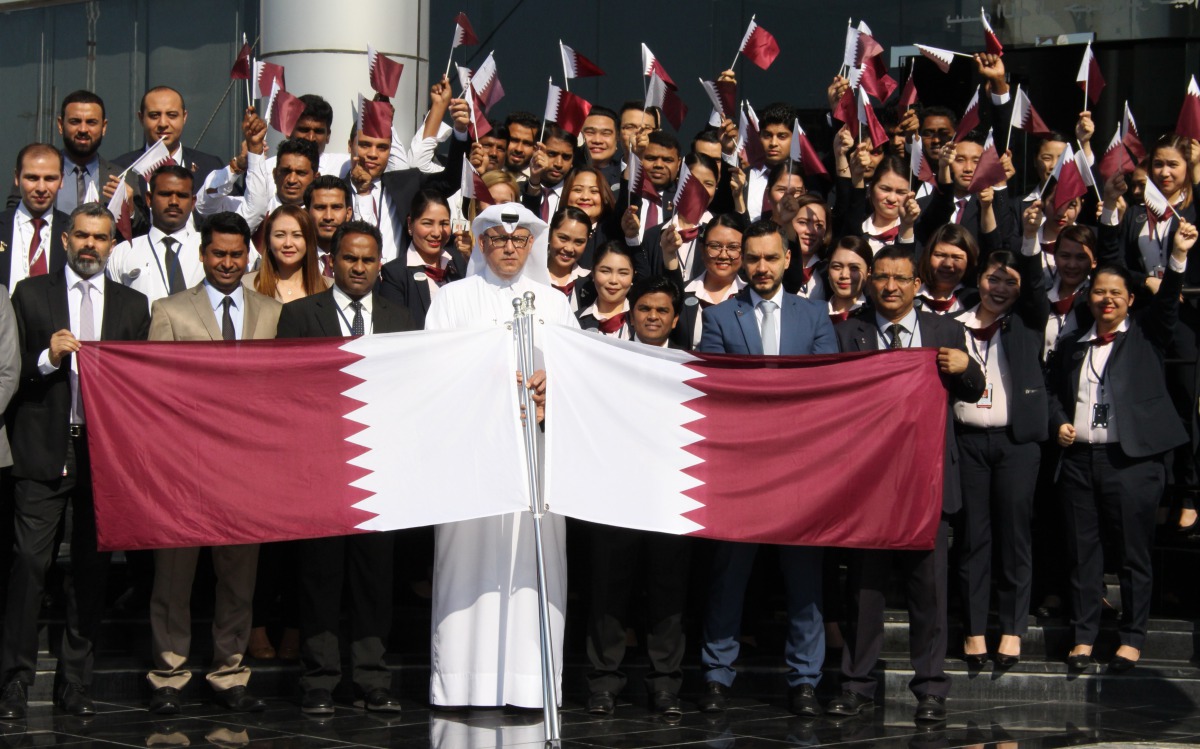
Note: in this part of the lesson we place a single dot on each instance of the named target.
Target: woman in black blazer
(999, 454)
(1112, 475)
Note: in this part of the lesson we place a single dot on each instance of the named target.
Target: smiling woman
(290, 269)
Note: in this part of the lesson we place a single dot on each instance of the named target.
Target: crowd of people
(1052, 321)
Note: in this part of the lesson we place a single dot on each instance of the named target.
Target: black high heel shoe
(975, 660)
(1120, 664)
(1004, 661)
(1079, 662)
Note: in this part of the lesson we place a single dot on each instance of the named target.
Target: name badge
(420, 276)
(1100, 416)
(986, 400)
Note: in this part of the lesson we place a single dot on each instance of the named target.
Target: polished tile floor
(750, 723)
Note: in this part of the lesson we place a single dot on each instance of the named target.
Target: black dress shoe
(850, 703)
(317, 702)
(715, 699)
(802, 701)
(1006, 661)
(73, 699)
(1079, 663)
(601, 703)
(239, 700)
(667, 704)
(13, 702)
(975, 660)
(381, 701)
(930, 709)
(165, 701)
(1120, 664)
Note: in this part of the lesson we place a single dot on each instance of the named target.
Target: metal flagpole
(523, 326)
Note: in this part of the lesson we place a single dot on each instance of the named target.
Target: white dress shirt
(1093, 389)
(259, 199)
(910, 330)
(812, 288)
(74, 298)
(141, 264)
(67, 199)
(991, 411)
(777, 298)
(346, 312)
(373, 208)
(756, 188)
(414, 260)
(236, 310)
(18, 249)
(696, 287)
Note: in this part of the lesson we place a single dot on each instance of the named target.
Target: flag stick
(1095, 188)
(543, 135)
(566, 73)
(451, 60)
(739, 52)
(1008, 138)
(249, 101)
(963, 54)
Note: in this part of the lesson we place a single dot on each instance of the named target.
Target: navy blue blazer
(731, 327)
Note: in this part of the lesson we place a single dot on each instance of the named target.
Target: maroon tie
(940, 306)
(960, 204)
(985, 333)
(652, 211)
(437, 274)
(1063, 306)
(888, 236)
(326, 265)
(837, 317)
(1103, 339)
(766, 204)
(612, 324)
(37, 263)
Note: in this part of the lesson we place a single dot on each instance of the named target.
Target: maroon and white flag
(1025, 117)
(723, 95)
(480, 125)
(759, 46)
(1157, 205)
(1130, 135)
(375, 117)
(121, 208)
(1188, 124)
(473, 187)
(989, 172)
(918, 165)
(283, 111)
(154, 157)
(265, 76)
(1116, 158)
(576, 65)
(873, 76)
(486, 83)
(803, 153)
(652, 67)
(846, 109)
(640, 185)
(704, 458)
(994, 47)
(1089, 77)
(566, 109)
(661, 94)
(908, 95)
(327, 437)
(241, 65)
(749, 140)
(970, 118)
(866, 116)
(940, 57)
(1069, 183)
(691, 199)
(384, 72)
(860, 46)
(463, 33)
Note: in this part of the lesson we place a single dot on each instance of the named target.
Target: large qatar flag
(843, 450)
(198, 444)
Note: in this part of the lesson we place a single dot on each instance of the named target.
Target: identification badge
(459, 225)
(986, 400)
(1100, 416)
(1158, 271)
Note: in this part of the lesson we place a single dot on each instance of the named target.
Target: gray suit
(10, 369)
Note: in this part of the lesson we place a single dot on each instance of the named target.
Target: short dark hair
(976, 136)
(34, 149)
(728, 220)
(499, 130)
(171, 170)
(357, 227)
(777, 113)
(1080, 234)
(551, 131)
(328, 182)
(1113, 269)
(318, 109)
(301, 147)
(695, 159)
(1054, 136)
(894, 252)
(156, 89)
(615, 248)
(656, 285)
(93, 210)
(605, 112)
(707, 135)
(570, 213)
(640, 106)
(857, 245)
(891, 164)
(793, 168)
(664, 139)
(423, 199)
(225, 222)
(1001, 258)
(82, 96)
(763, 227)
(952, 234)
(524, 119)
(937, 111)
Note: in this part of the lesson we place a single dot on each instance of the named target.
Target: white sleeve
(397, 159)
(423, 150)
(259, 188)
(217, 187)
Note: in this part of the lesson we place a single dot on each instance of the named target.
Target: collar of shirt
(1092, 334)
(777, 297)
(73, 278)
(414, 259)
(592, 310)
(857, 303)
(216, 297)
(696, 287)
(927, 292)
(176, 155)
(92, 167)
(1055, 293)
(342, 299)
(870, 227)
(156, 236)
(25, 218)
(908, 323)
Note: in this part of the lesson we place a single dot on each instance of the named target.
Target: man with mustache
(58, 313)
(31, 231)
(329, 202)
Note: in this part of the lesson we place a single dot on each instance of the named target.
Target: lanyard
(161, 273)
(349, 323)
(987, 349)
(1103, 374)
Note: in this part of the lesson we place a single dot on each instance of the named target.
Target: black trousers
(621, 561)
(39, 508)
(1107, 493)
(925, 576)
(363, 565)
(999, 478)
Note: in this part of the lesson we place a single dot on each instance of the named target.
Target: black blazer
(1021, 335)
(42, 408)
(201, 165)
(397, 284)
(58, 254)
(316, 316)
(648, 260)
(937, 208)
(140, 217)
(858, 333)
(1120, 244)
(1148, 423)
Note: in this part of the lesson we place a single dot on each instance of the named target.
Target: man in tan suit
(218, 309)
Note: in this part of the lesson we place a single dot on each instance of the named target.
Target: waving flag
(908, 95)
(639, 185)
(723, 95)
(241, 65)
(1089, 77)
(576, 65)
(1116, 158)
(284, 112)
(989, 172)
(702, 447)
(1157, 205)
(749, 140)
(1130, 135)
(918, 165)
(384, 72)
(1069, 183)
(803, 153)
(463, 33)
(1025, 117)
(866, 116)
(994, 47)
(154, 157)
(1188, 124)
(940, 57)
(265, 76)
(566, 109)
(375, 118)
(652, 67)
(486, 82)
(970, 118)
(661, 94)
(122, 210)
(473, 187)
(759, 46)
(358, 463)
(691, 199)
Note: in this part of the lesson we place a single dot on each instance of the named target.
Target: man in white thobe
(485, 649)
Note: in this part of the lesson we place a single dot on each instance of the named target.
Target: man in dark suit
(31, 232)
(892, 323)
(362, 562)
(57, 313)
(163, 115)
(765, 319)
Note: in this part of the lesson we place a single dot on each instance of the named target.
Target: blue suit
(732, 328)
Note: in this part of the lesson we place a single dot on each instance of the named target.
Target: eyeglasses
(714, 249)
(883, 278)
(499, 240)
(939, 134)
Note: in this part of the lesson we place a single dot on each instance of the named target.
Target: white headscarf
(513, 216)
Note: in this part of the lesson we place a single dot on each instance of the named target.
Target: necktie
(566, 288)
(545, 204)
(227, 331)
(175, 282)
(438, 274)
(770, 338)
(985, 333)
(612, 324)
(1063, 306)
(941, 306)
(356, 325)
(80, 187)
(87, 332)
(887, 236)
(652, 212)
(37, 260)
(1103, 339)
(894, 332)
(837, 317)
(326, 265)
(959, 204)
